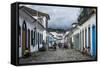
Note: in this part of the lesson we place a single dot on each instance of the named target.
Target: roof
(33, 12)
(85, 15)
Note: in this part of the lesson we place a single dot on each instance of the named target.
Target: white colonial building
(32, 30)
(84, 34)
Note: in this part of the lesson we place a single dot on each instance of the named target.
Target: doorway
(24, 38)
(94, 41)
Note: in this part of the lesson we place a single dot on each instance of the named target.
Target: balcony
(85, 15)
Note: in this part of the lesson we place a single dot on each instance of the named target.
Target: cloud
(60, 17)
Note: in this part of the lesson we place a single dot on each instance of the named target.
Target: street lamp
(74, 24)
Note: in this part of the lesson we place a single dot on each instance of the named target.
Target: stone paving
(54, 56)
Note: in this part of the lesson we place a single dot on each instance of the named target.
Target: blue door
(94, 41)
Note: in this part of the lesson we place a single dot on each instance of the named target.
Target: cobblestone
(55, 56)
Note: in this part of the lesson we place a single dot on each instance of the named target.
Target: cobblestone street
(54, 56)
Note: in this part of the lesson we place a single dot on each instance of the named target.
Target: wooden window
(83, 38)
(80, 40)
(31, 37)
(40, 38)
(89, 37)
(34, 38)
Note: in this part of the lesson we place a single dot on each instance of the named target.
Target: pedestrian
(55, 45)
(43, 47)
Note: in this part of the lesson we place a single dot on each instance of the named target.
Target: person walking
(55, 46)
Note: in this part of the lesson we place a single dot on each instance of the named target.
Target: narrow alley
(56, 34)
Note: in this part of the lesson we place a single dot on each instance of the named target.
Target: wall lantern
(74, 24)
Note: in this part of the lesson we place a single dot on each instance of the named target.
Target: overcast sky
(60, 17)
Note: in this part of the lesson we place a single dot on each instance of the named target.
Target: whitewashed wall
(30, 25)
(89, 23)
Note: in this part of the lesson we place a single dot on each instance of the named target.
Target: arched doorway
(24, 38)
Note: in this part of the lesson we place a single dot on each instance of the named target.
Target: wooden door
(24, 38)
(94, 41)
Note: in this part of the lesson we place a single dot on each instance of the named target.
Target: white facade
(31, 25)
(88, 24)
